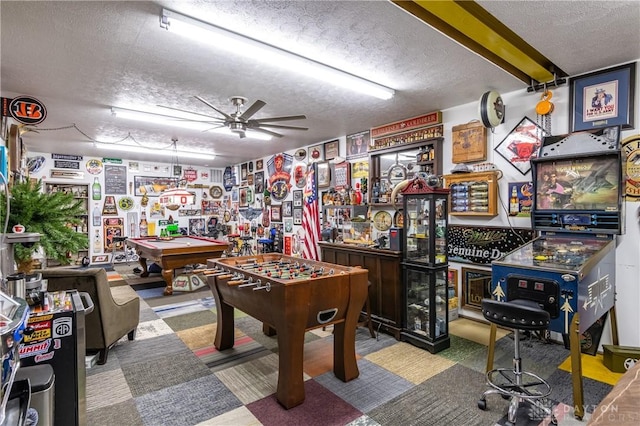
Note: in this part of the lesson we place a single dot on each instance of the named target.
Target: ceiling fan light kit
(221, 38)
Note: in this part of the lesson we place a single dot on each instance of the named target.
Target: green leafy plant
(52, 215)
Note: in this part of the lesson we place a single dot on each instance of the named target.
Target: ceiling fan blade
(227, 116)
(188, 112)
(269, 132)
(212, 128)
(242, 135)
(257, 105)
(286, 118)
(278, 126)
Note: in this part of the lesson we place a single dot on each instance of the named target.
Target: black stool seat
(519, 313)
(514, 383)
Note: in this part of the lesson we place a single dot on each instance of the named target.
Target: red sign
(408, 124)
(287, 245)
(190, 174)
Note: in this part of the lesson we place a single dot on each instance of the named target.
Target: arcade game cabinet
(570, 268)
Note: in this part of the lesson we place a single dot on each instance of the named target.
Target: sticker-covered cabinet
(425, 266)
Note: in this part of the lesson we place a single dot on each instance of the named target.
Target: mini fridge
(58, 339)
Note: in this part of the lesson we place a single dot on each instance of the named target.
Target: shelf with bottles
(473, 194)
(391, 166)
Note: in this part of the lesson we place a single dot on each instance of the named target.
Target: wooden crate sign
(469, 143)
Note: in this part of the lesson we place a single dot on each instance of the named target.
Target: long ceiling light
(475, 28)
(182, 120)
(238, 44)
(154, 151)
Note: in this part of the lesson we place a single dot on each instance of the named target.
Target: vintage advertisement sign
(631, 151)
(481, 245)
(25, 109)
(408, 124)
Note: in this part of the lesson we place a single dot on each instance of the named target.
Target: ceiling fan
(239, 122)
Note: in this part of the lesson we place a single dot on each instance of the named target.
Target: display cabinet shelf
(473, 194)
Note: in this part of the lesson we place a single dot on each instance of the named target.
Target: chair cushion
(519, 313)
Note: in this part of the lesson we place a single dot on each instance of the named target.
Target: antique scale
(570, 268)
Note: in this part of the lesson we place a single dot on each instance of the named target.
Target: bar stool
(514, 383)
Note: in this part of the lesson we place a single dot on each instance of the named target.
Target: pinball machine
(290, 296)
(569, 269)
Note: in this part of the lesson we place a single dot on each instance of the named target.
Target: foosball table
(290, 296)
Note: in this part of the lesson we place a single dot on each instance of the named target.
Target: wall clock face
(631, 151)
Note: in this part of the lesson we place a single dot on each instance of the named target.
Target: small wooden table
(175, 252)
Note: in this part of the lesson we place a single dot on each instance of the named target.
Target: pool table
(175, 252)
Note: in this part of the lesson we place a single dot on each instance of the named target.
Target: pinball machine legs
(576, 359)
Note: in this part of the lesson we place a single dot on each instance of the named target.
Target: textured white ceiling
(81, 58)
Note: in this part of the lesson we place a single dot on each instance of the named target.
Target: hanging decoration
(544, 108)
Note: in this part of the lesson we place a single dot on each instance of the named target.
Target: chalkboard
(115, 179)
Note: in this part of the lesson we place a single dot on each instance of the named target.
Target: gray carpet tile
(365, 344)
(168, 370)
(112, 364)
(107, 388)
(363, 420)
(147, 314)
(561, 390)
(191, 320)
(124, 413)
(441, 400)
(149, 349)
(187, 403)
(375, 386)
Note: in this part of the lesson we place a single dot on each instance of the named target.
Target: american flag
(310, 216)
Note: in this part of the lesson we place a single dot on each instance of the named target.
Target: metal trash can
(41, 381)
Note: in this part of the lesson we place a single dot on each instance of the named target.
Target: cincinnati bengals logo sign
(27, 110)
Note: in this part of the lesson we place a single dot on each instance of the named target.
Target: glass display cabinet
(425, 266)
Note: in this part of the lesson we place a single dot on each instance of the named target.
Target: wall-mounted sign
(66, 174)
(66, 157)
(26, 110)
(64, 164)
(408, 124)
(481, 245)
(631, 149)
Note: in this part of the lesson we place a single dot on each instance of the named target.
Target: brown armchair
(116, 309)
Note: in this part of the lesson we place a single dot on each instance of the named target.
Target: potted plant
(51, 215)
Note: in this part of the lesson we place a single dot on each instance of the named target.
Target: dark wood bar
(385, 275)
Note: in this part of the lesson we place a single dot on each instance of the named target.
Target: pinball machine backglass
(570, 268)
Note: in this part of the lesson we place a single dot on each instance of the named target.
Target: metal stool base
(506, 383)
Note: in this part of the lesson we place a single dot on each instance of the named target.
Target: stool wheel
(482, 404)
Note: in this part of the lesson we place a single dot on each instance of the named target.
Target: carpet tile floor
(173, 375)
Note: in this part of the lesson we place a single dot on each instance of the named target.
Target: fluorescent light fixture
(238, 44)
(169, 152)
(182, 120)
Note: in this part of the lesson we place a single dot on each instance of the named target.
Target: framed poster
(316, 153)
(602, 98)
(288, 225)
(244, 200)
(476, 285)
(287, 209)
(324, 175)
(152, 186)
(259, 182)
(250, 178)
(259, 164)
(469, 143)
(243, 172)
(522, 144)
(357, 145)
(331, 150)
(297, 216)
(342, 176)
(297, 198)
(276, 213)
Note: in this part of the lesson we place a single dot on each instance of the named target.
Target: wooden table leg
(576, 367)
(492, 347)
(167, 274)
(225, 323)
(290, 359)
(143, 262)
(345, 366)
